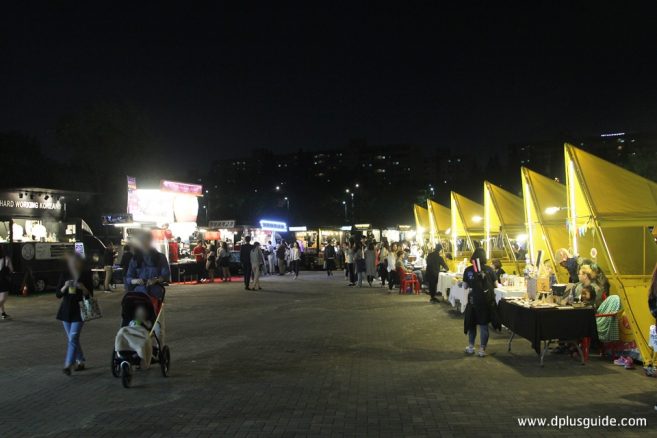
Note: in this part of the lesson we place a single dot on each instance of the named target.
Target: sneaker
(629, 363)
(4, 316)
(107, 291)
(620, 361)
(469, 350)
(79, 366)
(481, 352)
(67, 370)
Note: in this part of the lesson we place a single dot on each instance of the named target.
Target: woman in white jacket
(392, 262)
(295, 258)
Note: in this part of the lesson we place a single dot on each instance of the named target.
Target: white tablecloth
(503, 292)
(445, 281)
(460, 294)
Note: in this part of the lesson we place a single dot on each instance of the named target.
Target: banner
(183, 188)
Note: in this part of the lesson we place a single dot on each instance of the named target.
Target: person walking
(271, 258)
(295, 258)
(329, 258)
(257, 259)
(370, 263)
(224, 262)
(383, 262)
(281, 251)
(6, 272)
(199, 257)
(435, 263)
(481, 309)
(359, 260)
(349, 264)
(245, 258)
(211, 262)
(392, 267)
(75, 286)
(108, 262)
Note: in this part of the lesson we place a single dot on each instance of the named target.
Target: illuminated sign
(132, 183)
(273, 225)
(183, 188)
(162, 207)
(345, 228)
(298, 229)
(227, 223)
(362, 226)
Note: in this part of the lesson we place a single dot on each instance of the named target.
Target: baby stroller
(140, 341)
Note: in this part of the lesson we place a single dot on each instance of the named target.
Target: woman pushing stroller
(141, 337)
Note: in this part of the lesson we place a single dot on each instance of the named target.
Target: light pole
(344, 203)
(353, 210)
(287, 201)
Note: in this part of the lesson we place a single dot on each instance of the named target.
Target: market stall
(422, 224)
(467, 225)
(440, 223)
(504, 225)
(610, 215)
(545, 218)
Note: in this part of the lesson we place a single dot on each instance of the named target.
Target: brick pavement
(309, 357)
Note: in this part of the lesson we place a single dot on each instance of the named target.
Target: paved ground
(300, 358)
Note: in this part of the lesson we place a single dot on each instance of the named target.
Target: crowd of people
(366, 261)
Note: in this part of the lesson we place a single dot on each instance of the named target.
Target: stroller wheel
(126, 374)
(116, 365)
(165, 360)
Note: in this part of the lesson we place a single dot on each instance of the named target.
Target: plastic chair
(586, 342)
(407, 280)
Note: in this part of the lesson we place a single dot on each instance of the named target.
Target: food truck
(314, 240)
(37, 234)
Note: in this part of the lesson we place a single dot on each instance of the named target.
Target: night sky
(222, 81)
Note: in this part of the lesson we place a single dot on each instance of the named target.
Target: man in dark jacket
(435, 263)
(245, 258)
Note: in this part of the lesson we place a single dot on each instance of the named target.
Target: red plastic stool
(409, 280)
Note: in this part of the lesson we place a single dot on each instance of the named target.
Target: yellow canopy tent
(421, 222)
(467, 221)
(545, 217)
(610, 210)
(504, 217)
(440, 221)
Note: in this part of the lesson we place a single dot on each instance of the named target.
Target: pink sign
(179, 187)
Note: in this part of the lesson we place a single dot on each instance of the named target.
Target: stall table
(459, 292)
(183, 270)
(117, 276)
(445, 281)
(508, 292)
(542, 325)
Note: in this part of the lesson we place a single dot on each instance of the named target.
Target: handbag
(89, 309)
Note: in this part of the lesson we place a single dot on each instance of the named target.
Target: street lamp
(344, 203)
(278, 188)
(288, 202)
(357, 185)
(346, 190)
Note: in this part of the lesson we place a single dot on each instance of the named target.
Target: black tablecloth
(181, 270)
(538, 325)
